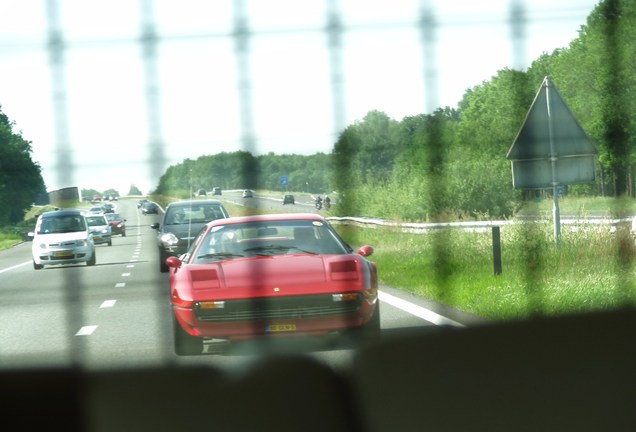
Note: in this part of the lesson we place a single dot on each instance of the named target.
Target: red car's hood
(271, 276)
(274, 271)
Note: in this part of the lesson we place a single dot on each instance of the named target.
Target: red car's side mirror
(365, 251)
(173, 262)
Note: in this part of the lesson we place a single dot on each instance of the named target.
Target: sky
(102, 112)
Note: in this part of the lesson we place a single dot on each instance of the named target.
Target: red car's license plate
(288, 327)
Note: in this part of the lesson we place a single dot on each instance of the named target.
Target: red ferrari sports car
(271, 275)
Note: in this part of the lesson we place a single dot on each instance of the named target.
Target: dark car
(201, 192)
(117, 224)
(216, 191)
(181, 222)
(149, 208)
(289, 199)
(305, 280)
(141, 202)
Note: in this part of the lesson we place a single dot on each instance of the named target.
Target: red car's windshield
(267, 238)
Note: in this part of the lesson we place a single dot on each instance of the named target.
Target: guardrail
(481, 226)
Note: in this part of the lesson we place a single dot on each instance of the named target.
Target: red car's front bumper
(277, 318)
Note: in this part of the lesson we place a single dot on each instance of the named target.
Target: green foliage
(111, 192)
(9, 239)
(21, 180)
(88, 194)
(134, 191)
(591, 269)
(242, 170)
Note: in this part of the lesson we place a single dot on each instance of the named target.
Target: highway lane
(89, 315)
(116, 314)
(304, 202)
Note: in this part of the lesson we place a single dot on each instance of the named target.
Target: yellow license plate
(290, 327)
(63, 253)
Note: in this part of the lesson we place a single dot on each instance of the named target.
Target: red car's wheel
(184, 344)
(369, 332)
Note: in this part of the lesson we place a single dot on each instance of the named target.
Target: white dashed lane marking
(107, 304)
(86, 330)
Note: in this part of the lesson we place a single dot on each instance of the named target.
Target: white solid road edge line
(416, 310)
(15, 267)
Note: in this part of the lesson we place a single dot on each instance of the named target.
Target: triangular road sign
(551, 148)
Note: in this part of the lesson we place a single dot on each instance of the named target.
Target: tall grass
(8, 239)
(590, 269)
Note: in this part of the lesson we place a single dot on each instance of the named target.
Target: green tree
(21, 179)
(134, 191)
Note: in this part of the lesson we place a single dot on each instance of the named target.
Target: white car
(62, 237)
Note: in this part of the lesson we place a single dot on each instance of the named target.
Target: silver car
(100, 228)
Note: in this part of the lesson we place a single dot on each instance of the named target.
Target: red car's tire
(369, 332)
(184, 344)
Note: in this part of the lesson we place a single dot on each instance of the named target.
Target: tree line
(451, 163)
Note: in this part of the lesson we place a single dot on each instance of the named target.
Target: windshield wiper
(220, 255)
(271, 247)
(304, 251)
(266, 248)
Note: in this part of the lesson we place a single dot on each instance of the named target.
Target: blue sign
(283, 180)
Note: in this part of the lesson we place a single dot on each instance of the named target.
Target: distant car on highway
(100, 228)
(117, 224)
(247, 193)
(149, 208)
(289, 199)
(216, 191)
